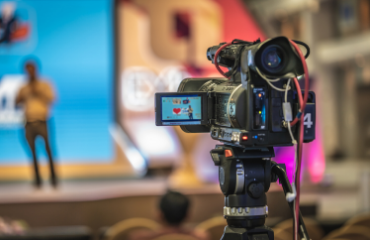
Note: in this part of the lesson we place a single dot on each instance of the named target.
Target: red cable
(298, 177)
(215, 59)
(306, 80)
(299, 91)
(302, 104)
(300, 143)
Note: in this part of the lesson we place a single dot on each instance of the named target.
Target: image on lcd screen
(184, 108)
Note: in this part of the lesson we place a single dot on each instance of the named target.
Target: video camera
(248, 108)
(251, 111)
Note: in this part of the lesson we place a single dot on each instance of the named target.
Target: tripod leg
(283, 179)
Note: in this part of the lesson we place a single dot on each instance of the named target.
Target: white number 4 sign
(307, 120)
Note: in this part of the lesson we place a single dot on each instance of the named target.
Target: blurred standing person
(36, 97)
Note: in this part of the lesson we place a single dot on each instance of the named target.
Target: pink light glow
(286, 155)
(313, 158)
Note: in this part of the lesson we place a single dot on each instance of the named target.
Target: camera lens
(273, 58)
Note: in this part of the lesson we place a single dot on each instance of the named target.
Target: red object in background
(182, 24)
(238, 22)
(20, 33)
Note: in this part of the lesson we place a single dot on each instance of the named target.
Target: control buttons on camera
(235, 137)
(259, 138)
(215, 132)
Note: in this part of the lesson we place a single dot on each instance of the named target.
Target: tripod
(245, 176)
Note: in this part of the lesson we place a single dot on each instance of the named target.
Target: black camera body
(244, 110)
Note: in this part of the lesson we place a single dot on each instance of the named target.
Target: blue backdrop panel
(73, 41)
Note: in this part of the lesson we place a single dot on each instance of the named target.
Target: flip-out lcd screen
(181, 110)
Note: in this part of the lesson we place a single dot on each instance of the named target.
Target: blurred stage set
(106, 59)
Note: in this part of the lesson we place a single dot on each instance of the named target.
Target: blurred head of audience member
(172, 213)
(173, 208)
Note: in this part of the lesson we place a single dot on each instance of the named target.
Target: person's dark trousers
(34, 129)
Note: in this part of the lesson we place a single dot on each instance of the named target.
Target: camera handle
(244, 177)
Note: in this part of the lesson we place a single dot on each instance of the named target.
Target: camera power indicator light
(245, 138)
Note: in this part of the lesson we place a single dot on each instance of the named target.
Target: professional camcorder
(246, 108)
(254, 108)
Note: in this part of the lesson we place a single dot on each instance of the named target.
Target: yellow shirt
(190, 110)
(36, 98)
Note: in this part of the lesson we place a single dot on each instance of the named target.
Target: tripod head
(245, 176)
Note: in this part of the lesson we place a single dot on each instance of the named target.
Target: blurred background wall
(338, 34)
